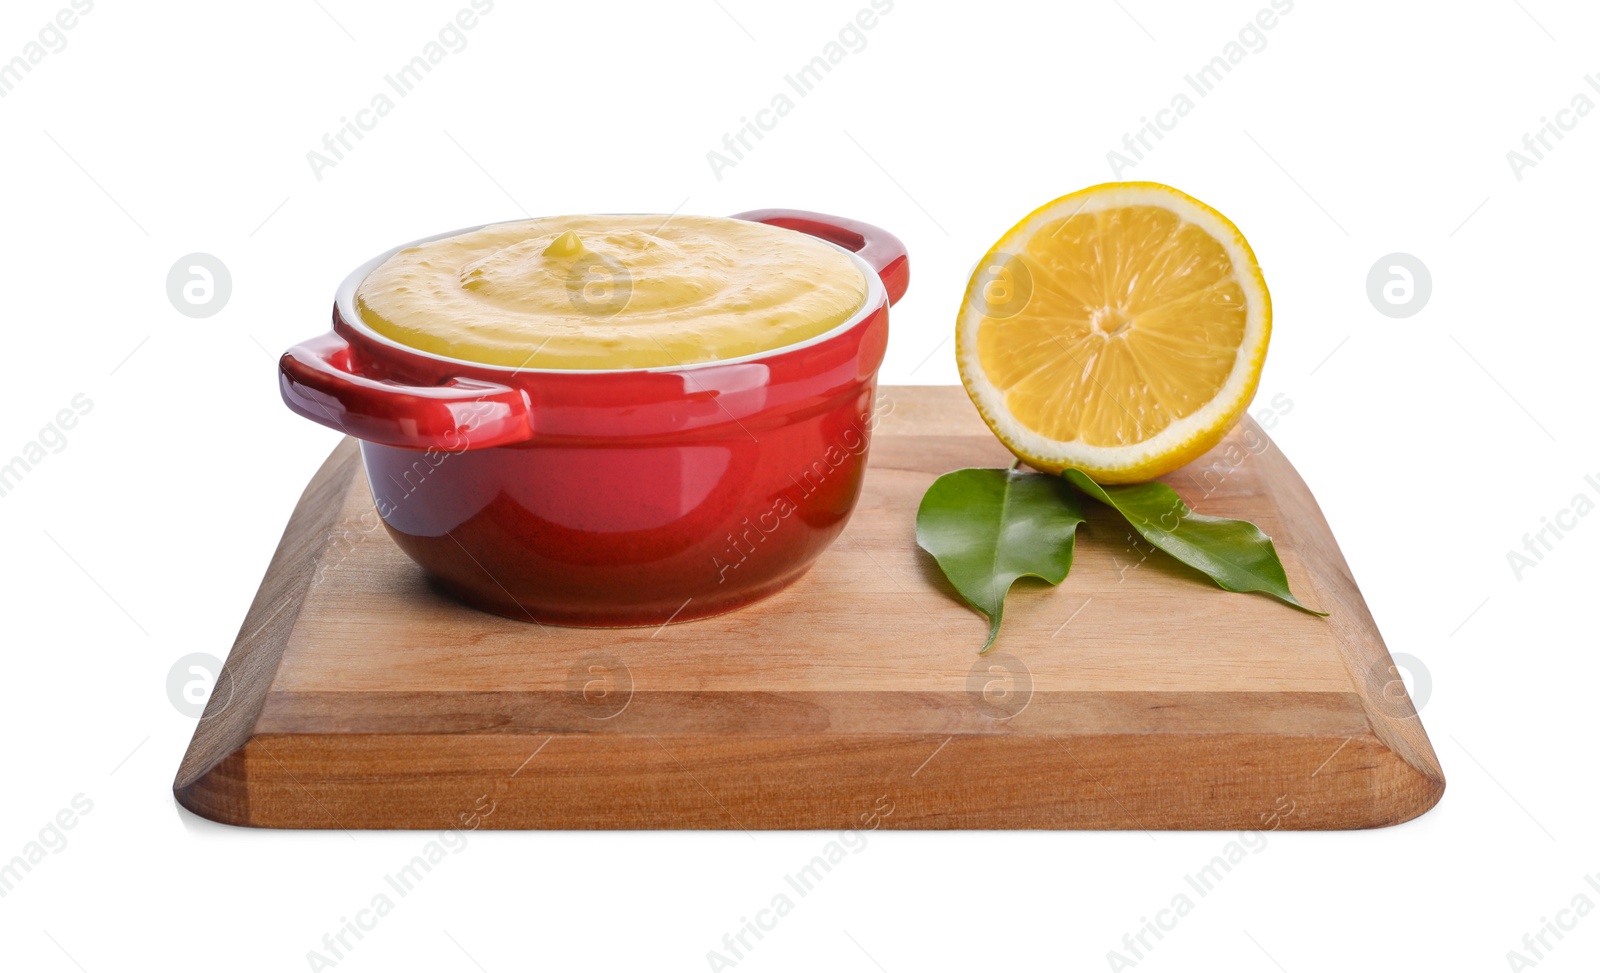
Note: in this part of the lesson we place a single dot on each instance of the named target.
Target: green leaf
(987, 528)
(1233, 553)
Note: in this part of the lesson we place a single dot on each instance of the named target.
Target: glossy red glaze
(626, 497)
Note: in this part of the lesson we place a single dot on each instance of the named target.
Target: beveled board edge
(229, 720)
(1373, 677)
(1225, 781)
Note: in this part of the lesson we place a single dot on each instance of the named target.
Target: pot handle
(319, 381)
(881, 249)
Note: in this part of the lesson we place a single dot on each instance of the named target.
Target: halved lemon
(1119, 330)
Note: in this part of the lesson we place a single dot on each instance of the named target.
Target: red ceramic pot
(614, 497)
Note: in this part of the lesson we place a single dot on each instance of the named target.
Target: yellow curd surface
(590, 292)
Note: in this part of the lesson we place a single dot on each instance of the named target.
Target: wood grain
(1134, 695)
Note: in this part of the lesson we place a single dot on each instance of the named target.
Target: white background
(1433, 442)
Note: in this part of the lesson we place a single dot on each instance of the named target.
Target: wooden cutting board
(1134, 695)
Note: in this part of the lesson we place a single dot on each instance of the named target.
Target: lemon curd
(604, 292)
